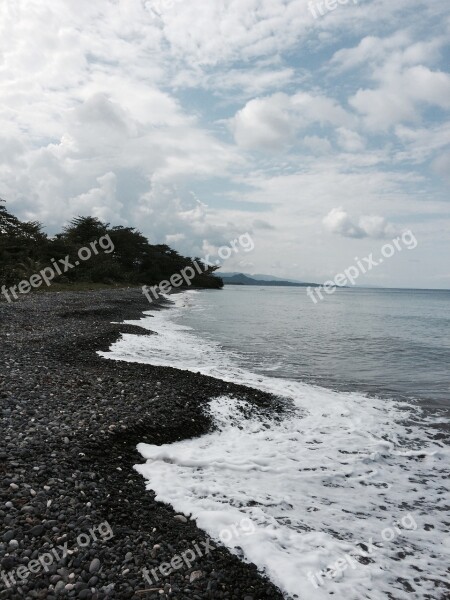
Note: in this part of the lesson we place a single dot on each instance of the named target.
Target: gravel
(70, 424)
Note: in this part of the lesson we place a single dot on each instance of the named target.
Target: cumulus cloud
(120, 110)
(349, 140)
(172, 215)
(264, 123)
(100, 201)
(400, 94)
(402, 75)
(399, 49)
(339, 222)
(272, 122)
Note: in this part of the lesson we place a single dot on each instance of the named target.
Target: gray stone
(195, 575)
(94, 566)
(8, 536)
(37, 530)
(181, 518)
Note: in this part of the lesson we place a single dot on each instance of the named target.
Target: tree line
(25, 249)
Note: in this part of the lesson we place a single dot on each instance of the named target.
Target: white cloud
(349, 140)
(101, 201)
(223, 31)
(264, 123)
(108, 109)
(401, 70)
(377, 227)
(246, 82)
(272, 122)
(397, 100)
(398, 49)
(317, 144)
(339, 222)
(418, 144)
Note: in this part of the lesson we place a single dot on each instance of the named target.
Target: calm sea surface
(390, 343)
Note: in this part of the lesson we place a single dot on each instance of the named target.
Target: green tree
(20, 245)
(25, 249)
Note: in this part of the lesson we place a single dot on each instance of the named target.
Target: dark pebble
(70, 419)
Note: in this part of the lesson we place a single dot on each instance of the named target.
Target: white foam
(341, 470)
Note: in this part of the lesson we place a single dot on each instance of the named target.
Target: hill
(241, 279)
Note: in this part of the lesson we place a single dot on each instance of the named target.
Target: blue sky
(324, 137)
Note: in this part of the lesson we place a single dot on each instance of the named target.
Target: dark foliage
(25, 249)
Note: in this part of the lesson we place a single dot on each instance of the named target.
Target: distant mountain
(262, 277)
(241, 279)
(259, 276)
(231, 273)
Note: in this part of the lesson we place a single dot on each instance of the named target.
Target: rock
(60, 585)
(195, 575)
(8, 536)
(51, 393)
(37, 530)
(27, 509)
(9, 562)
(94, 566)
(180, 518)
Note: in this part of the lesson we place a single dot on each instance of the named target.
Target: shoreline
(71, 424)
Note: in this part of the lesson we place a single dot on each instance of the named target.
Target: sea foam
(344, 478)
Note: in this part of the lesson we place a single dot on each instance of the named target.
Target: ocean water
(348, 496)
(392, 343)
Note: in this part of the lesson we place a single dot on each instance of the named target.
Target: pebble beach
(71, 422)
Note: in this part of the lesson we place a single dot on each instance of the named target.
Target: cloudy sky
(324, 136)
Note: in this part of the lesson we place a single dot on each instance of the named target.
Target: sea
(347, 496)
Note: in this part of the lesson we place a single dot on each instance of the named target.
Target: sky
(321, 129)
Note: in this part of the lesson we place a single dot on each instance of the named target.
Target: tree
(83, 230)
(25, 249)
(20, 244)
(131, 248)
